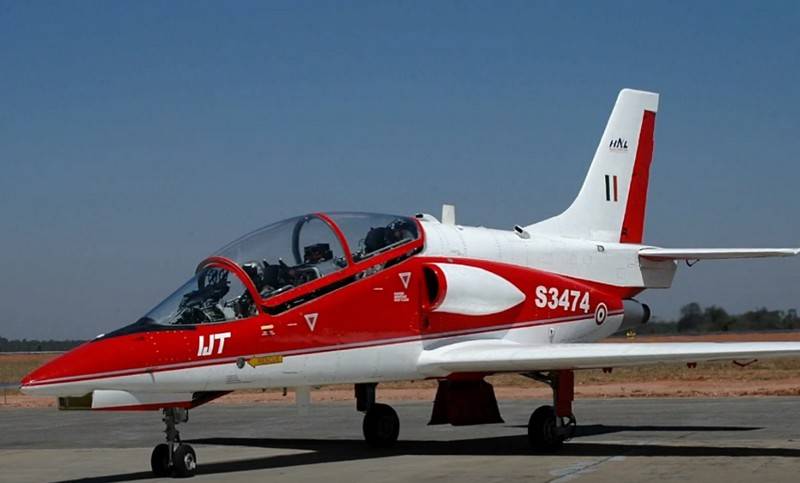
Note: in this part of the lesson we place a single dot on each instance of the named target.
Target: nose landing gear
(173, 458)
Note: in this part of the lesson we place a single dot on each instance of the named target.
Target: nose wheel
(173, 458)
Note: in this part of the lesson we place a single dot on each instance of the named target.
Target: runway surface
(728, 440)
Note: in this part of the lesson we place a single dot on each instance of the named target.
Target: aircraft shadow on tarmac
(332, 450)
(595, 429)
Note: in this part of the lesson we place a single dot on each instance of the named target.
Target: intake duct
(635, 314)
(467, 290)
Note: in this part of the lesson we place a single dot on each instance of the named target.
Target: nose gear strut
(173, 458)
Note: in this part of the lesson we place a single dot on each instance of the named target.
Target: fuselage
(370, 319)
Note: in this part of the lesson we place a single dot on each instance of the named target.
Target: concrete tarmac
(726, 440)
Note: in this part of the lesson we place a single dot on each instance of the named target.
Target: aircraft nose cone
(86, 367)
(23, 383)
(48, 371)
(45, 380)
(30, 377)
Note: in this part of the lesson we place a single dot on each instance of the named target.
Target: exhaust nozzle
(634, 315)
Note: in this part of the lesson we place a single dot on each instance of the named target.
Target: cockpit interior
(282, 258)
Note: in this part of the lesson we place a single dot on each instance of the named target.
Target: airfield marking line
(575, 470)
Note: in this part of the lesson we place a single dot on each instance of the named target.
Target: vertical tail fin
(611, 203)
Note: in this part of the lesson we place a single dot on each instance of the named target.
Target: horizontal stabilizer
(715, 253)
(504, 356)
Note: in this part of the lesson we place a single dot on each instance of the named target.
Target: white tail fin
(611, 203)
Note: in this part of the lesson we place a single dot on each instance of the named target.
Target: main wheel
(159, 460)
(381, 426)
(543, 432)
(184, 461)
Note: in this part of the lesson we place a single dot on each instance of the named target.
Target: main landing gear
(381, 425)
(550, 426)
(173, 458)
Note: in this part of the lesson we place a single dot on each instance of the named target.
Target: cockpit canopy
(283, 258)
(213, 294)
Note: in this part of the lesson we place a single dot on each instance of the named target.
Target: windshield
(212, 295)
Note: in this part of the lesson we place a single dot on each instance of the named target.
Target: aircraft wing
(715, 253)
(504, 356)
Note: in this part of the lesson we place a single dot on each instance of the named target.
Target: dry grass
(14, 367)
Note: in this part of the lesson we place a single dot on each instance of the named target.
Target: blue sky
(138, 137)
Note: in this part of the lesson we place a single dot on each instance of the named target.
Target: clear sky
(138, 137)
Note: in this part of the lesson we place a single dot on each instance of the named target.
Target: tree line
(33, 345)
(695, 319)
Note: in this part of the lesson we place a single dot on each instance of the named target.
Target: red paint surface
(565, 393)
(633, 223)
(360, 314)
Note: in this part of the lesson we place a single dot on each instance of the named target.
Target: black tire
(543, 433)
(184, 461)
(159, 460)
(381, 426)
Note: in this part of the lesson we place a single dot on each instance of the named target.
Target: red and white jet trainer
(333, 298)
